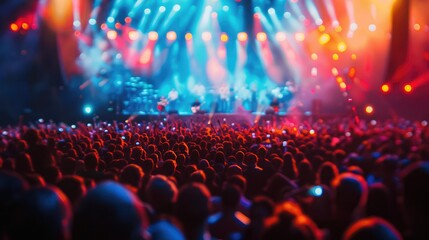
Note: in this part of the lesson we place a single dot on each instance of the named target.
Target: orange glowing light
(339, 79)
(133, 35)
(242, 36)
(385, 88)
(171, 36)
(354, 56)
(342, 47)
(112, 34)
(25, 26)
(369, 109)
(338, 29)
(408, 88)
(417, 27)
(335, 57)
(261, 36)
(188, 36)
(314, 56)
(300, 37)
(128, 19)
(322, 28)
(343, 85)
(352, 72)
(14, 27)
(153, 36)
(324, 39)
(224, 37)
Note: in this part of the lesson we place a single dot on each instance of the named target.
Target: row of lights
(206, 36)
(385, 88)
(15, 27)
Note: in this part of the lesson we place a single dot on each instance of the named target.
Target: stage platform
(215, 118)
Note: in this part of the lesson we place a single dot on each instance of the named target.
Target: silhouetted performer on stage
(196, 106)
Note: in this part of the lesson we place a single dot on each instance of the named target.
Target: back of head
(372, 228)
(109, 211)
(289, 222)
(326, 173)
(73, 187)
(91, 161)
(132, 175)
(230, 197)
(193, 205)
(161, 194)
(40, 213)
(415, 180)
(11, 186)
(350, 192)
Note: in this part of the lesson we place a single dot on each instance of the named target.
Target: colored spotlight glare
(176, 7)
(280, 36)
(324, 39)
(153, 36)
(188, 36)
(314, 72)
(161, 9)
(335, 57)
(76, 24)
(261, 36)
(372, 27)
(171, 36)
(385, 88)
(271, 11)
(342, 47)
(354, 56)
(408, 88)
(369, 109)
(147, 11)
(242, 36)
(206, 36)
(314, 56)
(110, 19)
(92, 21)
(339, 79)
(312, 132)
(319, 21)
(334, 71)
(300, 37)
(224, 37)
(25, 26)
(214, 14)
(287, 15)
(112, 34)
(128, 19)
(343, 85)
(321, 28)
(417, 27)
(87, 109)
(353, 27)
(338, 29)
(14, 27)
(225, 8)
(133, 35)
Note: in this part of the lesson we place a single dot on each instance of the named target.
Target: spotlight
(342, 47)
(369, 109)
(280, 36)
(224, 37)
(372, 27)
(335, 57)
(242, 36)
(133, 35)
(171, 36)
(112, 34)
(161, 9)
(87, 109)
(261, 36)
(153, 36)
(14, 27)
(385, 88)
(300, 37)
(176, 7)
(324, 38)
(408, 88)
(206, 36)
(92, 21)
(188, 36)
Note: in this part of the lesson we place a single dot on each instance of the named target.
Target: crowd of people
(326, 179)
